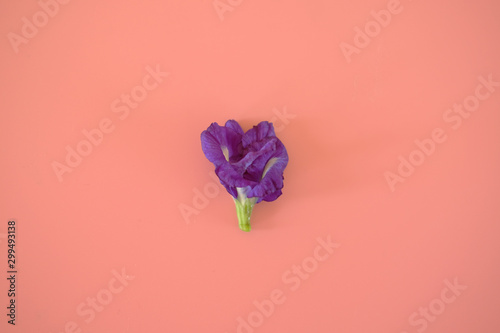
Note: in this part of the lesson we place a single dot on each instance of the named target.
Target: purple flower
(250, 165)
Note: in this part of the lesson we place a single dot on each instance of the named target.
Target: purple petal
(218, 140)
(258, 150)
(271, 197)
(269, 187)
(257, 156)
(233, 124)
(231, 178)
(263, 130)
(254, 160)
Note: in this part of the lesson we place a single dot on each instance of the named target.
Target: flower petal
(257, 156)
(269, 187)
(263, 130)
(221, 144)
(233, 124)
(257, 151)
(232, 178)
(252, 162)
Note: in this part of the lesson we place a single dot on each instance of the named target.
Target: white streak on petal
(225, 152)
(268, 166)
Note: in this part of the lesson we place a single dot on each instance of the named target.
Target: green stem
(244, 211)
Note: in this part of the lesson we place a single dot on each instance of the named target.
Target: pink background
(348, 121)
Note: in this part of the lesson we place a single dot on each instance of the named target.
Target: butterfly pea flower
(249, 164)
